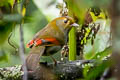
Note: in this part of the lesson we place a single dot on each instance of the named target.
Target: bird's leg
(66, 37)
(51, 50)
(64, 52)
(65, 49)
(55, 62)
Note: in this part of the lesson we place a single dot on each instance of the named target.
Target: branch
(22, 52)
(48, 71)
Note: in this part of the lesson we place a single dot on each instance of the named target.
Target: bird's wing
(43, 42)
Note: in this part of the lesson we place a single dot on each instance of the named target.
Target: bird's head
(65, 23)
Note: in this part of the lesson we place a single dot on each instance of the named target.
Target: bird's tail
(33, 59)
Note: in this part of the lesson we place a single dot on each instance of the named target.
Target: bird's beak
(74, 24)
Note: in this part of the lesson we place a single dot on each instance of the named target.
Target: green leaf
(72, 44)
(103, 54)
(97, 71)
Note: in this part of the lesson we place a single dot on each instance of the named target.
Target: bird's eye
(65, 21)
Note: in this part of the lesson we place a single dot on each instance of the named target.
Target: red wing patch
(39, 42)
(34, 43)
(30, 44)
(52, 40)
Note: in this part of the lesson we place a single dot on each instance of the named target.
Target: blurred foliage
(6, 2)
(97, 71)
(93, 42)
(9, 22)
(3, 55)
(102, 62)
(76, 9)
(101, 41)
(5, 29)
(104, 54)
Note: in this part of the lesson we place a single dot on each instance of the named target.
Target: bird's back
(51, 31)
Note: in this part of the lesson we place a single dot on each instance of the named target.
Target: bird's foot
(64, 52)
(55, 62)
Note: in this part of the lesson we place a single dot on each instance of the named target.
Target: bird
(49, 40)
